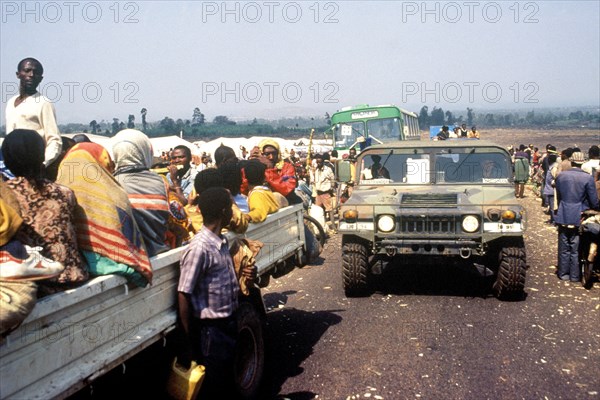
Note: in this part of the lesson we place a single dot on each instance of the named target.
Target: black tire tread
(249, 319)
(512, 266)
(355, 269)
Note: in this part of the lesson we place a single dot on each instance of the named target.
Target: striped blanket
(104, 220)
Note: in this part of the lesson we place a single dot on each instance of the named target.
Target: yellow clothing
(473, 135)
(10, 221)
(238, 223)
(261, 202)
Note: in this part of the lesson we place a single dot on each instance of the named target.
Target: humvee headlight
(386, 223)
(350, 216)
(470, 223)
(508, 216)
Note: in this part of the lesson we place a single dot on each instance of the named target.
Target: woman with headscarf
(48, 209)
(107, 233)
(146, 190)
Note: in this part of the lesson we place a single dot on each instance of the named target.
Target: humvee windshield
(441, 166)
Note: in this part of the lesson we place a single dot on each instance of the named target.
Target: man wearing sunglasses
(280, 174)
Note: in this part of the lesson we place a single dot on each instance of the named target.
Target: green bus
(363, 125)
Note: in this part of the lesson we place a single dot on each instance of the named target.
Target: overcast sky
(280, 58)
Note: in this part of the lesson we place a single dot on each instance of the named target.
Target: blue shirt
(208, 276)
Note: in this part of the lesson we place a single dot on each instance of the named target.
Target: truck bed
(73, 337)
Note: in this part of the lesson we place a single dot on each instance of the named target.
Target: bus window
(347, 134)
(386, 130)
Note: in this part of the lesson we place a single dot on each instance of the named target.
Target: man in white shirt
(30, 110)
(323, 179)
(594, 160)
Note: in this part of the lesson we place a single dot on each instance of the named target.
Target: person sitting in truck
(443, 134)
(47, 209)
(280, 175)
(209, 178)
(473, 133)
(378, 170)
(146, 190)
(208, 297)
(261, 200)
(17, 292)
(107, 233)
(231, 171)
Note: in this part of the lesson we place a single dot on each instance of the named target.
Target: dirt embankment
(561, 138)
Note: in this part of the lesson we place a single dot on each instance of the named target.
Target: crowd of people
(569, 185)
(458, 132)
(72, 209)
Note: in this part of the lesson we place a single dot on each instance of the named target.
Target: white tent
(285, 144)
(166, 143)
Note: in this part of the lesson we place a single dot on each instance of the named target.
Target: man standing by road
(208, 295)
(30, 110)
(576, 192)
(323, 180)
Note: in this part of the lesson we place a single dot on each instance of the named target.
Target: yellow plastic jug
(184, 384)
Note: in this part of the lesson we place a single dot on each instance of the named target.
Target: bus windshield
(347, 134)
(386, 130)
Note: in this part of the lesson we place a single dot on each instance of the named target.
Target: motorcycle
(588, 247)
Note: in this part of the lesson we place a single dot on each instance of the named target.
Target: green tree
(450, 118)
(470, 116)
(94, 126)
(197, 117)
(115, 126)
(144, 111)
(424, 118)
(167, 125)
(130, 123)
(437, 116)
(222, 120)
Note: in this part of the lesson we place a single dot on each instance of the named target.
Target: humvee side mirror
(343, 171)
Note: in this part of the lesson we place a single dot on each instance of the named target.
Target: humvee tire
(510, 279)
(355, 269)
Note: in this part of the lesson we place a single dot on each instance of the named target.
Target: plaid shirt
(208, 275)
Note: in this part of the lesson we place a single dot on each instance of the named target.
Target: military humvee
(431, 202)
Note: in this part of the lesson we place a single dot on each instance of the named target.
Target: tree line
(198, 128)
(527, 119)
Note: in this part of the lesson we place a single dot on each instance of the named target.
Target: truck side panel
(73, 337)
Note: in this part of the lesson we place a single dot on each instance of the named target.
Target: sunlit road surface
(434, 333)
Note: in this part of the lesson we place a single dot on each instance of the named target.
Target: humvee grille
(430, 200)
(427, 224)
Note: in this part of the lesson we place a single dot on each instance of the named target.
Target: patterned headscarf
(105, 224)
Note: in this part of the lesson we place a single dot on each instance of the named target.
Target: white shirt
(589, 165)
(36, 113)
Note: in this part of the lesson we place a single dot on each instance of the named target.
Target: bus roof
(364, 111)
